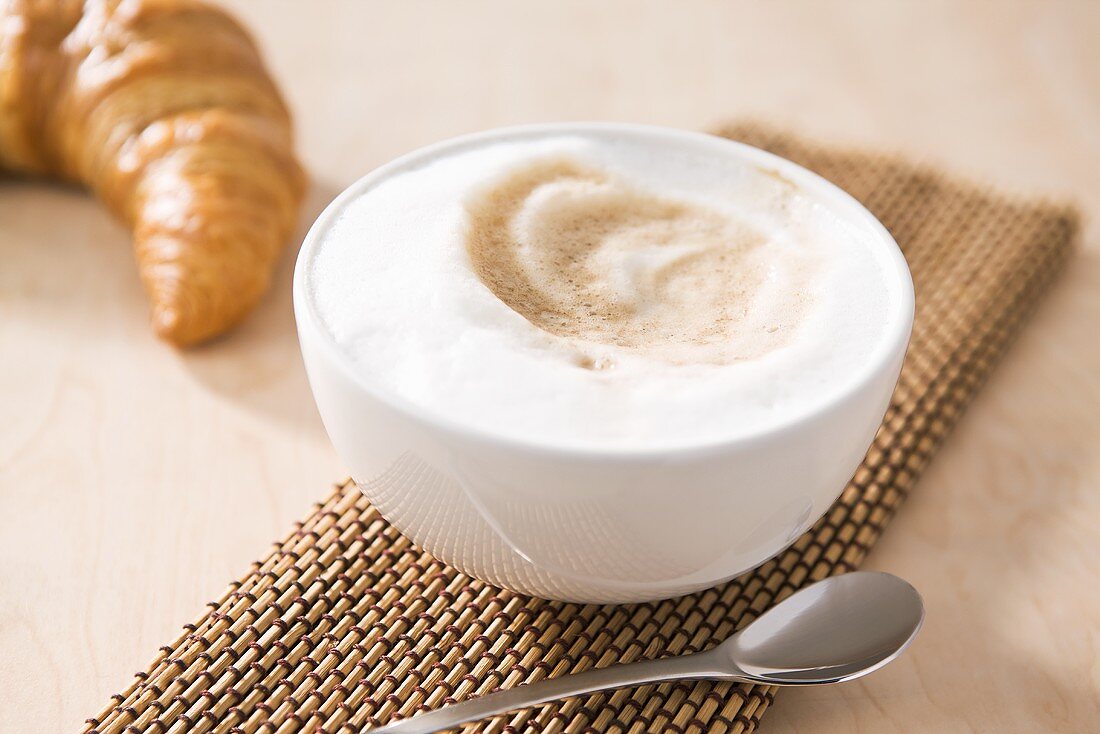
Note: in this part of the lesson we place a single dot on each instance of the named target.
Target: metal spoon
(835, 630)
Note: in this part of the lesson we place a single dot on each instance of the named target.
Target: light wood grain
(135, 481)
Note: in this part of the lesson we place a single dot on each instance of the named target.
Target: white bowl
(586, 525)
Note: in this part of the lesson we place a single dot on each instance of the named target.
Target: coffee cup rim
(891, 347)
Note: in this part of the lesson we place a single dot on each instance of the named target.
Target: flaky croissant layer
(164, 109)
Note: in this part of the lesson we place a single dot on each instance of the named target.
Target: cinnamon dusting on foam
(586, 257)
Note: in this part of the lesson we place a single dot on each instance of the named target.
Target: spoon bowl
(841, 628)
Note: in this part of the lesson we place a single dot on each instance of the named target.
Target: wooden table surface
(136, 481)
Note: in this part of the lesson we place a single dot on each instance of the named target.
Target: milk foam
(601, 290)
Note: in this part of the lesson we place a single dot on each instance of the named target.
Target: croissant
(162, 108)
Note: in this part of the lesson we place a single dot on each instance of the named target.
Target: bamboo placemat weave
(346, 624)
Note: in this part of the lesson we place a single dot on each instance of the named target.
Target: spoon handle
(684, 667)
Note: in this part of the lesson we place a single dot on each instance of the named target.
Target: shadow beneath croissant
(258, 365)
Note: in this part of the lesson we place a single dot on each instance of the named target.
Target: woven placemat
(346, 624)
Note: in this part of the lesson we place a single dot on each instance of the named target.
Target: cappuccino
(601, 289)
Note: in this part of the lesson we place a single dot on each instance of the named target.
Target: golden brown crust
(164, 109)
